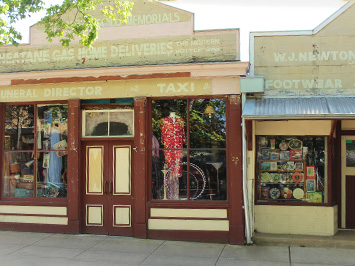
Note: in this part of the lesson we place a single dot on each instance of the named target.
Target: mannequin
(55, 162)
(173, 138)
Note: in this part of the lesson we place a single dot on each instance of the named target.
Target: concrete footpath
(22, 248)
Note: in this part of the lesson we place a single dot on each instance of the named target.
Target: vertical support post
(140, 168)
(236, 221)
(73, 166)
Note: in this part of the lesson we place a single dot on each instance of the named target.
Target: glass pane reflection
(208, 123)
(96, 124)
(51, 175)
(213, 166)
(169, 123)
(169, 179)
(350, 153)
(52, 127)
(19, 128)
(18, 174)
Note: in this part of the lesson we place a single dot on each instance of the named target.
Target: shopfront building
(299, 130)
(138, 136)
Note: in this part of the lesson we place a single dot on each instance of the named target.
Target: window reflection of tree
(19, 123)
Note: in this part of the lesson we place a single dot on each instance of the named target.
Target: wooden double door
(107, 188)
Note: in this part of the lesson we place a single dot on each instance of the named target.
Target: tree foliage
(67, 21)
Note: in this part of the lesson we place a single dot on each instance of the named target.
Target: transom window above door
(108, 123)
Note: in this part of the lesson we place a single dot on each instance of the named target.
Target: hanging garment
(173, 137)
(55, 162)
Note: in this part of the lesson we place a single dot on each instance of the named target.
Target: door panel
(107, 200)
(122, 170)
(350, 202)
(348, 182)
(95, 171)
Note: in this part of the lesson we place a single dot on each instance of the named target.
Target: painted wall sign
(211, 47)
(147, 13)
(110, 89)
(319, 64)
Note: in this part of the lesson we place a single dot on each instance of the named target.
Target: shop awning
(299, 108)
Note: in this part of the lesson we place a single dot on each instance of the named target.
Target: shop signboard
(103, 90)
(157, 34)
(319, 62)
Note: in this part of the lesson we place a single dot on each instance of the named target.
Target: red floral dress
(173, 137)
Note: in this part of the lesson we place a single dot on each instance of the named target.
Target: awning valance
(299, 108)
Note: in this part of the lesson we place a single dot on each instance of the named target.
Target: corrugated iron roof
(299, 108)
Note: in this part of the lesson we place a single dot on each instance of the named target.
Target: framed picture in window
(311, 185)
(299, 166)
(285, 155)
(273, 166)
(274, 156)
(311, 172)
(265, 166)
(265, 153)
(296, 154)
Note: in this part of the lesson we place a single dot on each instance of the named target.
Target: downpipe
(248, 228)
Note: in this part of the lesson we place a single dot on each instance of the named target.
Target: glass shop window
(291, 169)
(108, 123)
(188, 151)
(35, 151)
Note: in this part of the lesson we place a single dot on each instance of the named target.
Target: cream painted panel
(294, 128)
(196, 225)
(94, 215)
(41, 210)
(122, 170)
(348, 124)
(304, 220)
(225, 85)
(95, 170)
(189, 213)
(122, 216)
(33, 219)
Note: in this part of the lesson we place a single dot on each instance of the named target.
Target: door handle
(105, 190)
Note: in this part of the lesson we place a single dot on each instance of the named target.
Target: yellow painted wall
(348, 124)
(305, 220)
(294, 128)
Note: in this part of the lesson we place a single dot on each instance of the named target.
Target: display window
(35, 151)
(188, 149)
(291, 170)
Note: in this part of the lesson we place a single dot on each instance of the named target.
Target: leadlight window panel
(108, 123)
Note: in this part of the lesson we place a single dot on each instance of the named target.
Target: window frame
(34, 198)
(188, 149)
(83, 123)
(327, 169)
